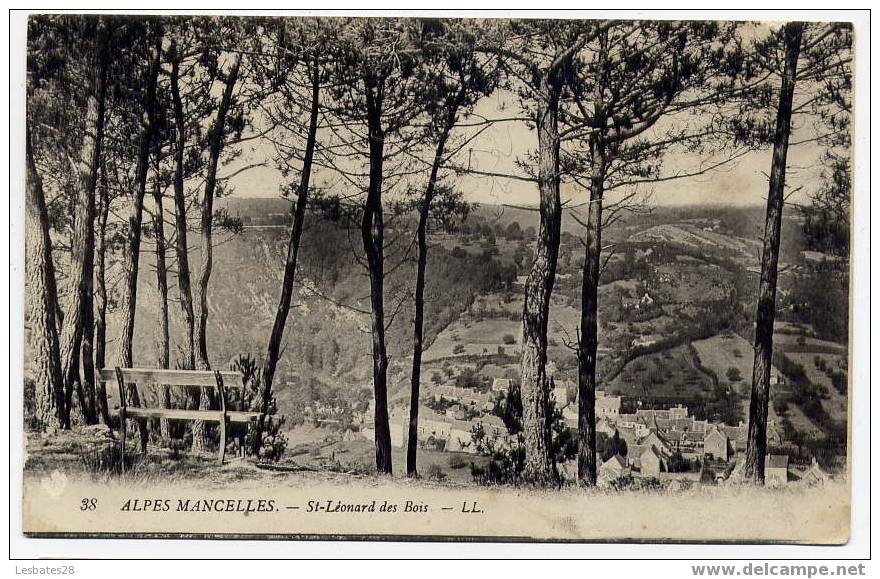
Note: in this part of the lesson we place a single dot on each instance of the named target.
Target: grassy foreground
(56, 481)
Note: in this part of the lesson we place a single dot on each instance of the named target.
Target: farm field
(795, 343)
(669, 374)
(802, 423)
(697, 238)
(836, 403)
(720, 353)
(468, 336)
(689, 284)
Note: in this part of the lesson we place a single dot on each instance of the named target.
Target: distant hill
(327, 343)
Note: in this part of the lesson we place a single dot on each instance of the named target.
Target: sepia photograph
(437, 278)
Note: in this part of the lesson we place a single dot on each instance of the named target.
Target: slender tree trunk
(756, 448)
(182, 247)
(539, 465)
(207, 229)
(184, 283)
(372, 236)
(164, 350)
(297, 217)
(101, 297)
(589, 339)
(135, 222)
(88, 397)
(418, 321)
(82, 236)
(43, 343)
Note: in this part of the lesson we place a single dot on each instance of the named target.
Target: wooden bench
(221, 381)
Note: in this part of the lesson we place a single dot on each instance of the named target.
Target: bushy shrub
(506, 459)
(274, 441)
(435, 473)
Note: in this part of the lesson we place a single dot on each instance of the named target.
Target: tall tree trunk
(135, 222)
(539, 465)
(182, 247)
(589, 339)
(184, 283)
(207, 229)
(756, 448)
(101, 297)
(43, 343)
(372, 236)
(82, 235)
(164, 347)
(87, 394)
(297, 217)
(418, 321)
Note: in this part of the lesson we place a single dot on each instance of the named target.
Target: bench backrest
(132, 377)
(206, 378)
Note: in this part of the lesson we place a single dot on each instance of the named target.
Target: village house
(613, 469)
(606, 427)
(716, 445)
(688, 443)
(776, 470)
(657, 441)
(678, 412)
(650, 463)
(607, 406)
(500, 385)
(737, 435)
(814, 475)
(631, 423)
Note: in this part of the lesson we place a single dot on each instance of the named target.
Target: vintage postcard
(436, 278)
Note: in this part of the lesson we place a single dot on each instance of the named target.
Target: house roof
(615, 461)
(655, 438)
(651, 450)
(695, 436)
(737, 434)
(715, 433)
(814, 474)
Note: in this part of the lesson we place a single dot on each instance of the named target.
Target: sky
(496, 149)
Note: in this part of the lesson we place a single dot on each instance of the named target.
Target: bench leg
(224, 420)
(123, 428)
(222, 440)
(144, 435)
